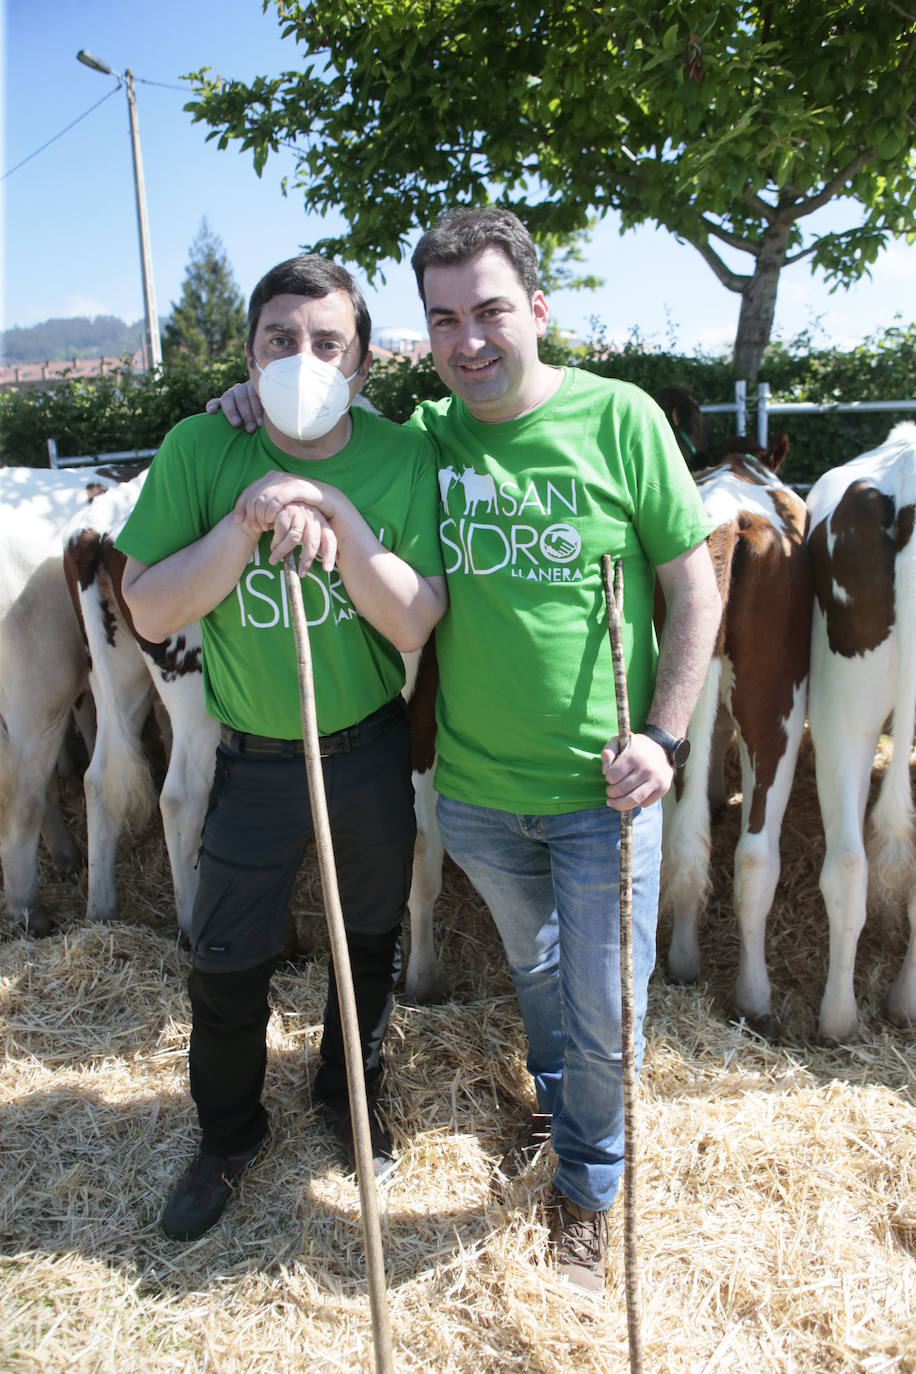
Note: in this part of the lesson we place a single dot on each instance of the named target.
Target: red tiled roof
(34, 374)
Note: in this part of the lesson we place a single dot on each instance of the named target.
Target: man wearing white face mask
(217, 515)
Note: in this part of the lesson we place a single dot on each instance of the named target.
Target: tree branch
(898, 9)
(812, 203)
(732, 281)
(733, 240)
(805, 252)
(760, 206)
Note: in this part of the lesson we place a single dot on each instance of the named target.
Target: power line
(166, 85)
(62, 132)
(146, 82)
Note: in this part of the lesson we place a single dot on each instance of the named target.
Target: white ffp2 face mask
(303, 396)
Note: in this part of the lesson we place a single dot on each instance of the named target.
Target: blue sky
(69, 222)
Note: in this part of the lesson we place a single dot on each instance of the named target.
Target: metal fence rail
(767, 407)
(128, 455)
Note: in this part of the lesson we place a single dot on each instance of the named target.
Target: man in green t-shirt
(541, 471)
(219, 511)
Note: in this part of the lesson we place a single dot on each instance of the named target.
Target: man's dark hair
(310, 275)
(461, 233)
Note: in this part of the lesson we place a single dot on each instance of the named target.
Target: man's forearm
(163, 597)
(398, 602)
(395, 600)
(694, 609)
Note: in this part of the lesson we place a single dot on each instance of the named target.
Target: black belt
(341, 742)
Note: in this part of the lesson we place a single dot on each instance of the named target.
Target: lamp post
(153, 346)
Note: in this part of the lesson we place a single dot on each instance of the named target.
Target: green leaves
(666, 112)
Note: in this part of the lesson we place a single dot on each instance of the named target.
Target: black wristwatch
(678, 750)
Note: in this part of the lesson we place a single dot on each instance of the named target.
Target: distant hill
(80, 337)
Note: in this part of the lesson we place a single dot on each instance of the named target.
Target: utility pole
(152, 345)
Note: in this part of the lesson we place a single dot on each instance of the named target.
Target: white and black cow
(42, 672)
(863, 671)
(128, 674)
(755, 689)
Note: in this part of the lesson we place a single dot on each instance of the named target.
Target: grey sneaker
(579, 1238)
(199, 1198)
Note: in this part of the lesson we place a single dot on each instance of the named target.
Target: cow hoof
(429, 993)
(768, 1026)
(68, 863)
(682, 978)
(35, 923)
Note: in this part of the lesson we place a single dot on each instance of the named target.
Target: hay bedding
(777, 1183)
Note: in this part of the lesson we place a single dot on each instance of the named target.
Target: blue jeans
(552, 886)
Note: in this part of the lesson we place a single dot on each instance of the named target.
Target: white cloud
(89, 305)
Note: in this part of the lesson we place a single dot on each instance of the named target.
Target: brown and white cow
(128, 675)
(755, 689)
(863, 670)
(42, 672)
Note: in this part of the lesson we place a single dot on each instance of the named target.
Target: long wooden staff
(613, 596)
(356, 1079)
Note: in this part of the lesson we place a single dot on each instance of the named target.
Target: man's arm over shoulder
(181, 559)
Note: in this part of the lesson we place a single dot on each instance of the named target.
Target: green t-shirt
(249, 653)
(530, 505)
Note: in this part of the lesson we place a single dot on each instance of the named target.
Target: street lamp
(153, 346)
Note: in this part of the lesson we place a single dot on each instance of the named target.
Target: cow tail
(892, 841)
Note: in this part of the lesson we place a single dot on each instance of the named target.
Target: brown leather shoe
(579, 1239)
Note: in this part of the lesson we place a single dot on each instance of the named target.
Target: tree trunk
(758, 303)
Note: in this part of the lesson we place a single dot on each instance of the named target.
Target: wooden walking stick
(356, 1081)
(613, 596)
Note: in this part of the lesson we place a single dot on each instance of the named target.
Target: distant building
(400, 341)
(45, 375)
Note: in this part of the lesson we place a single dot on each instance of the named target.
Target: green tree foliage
(729, 123)
(76, 337)
(124, 410)
(209, 320)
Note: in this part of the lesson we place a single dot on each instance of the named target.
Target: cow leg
(84, 720)
(64, 853)
(892, 869)
(722, 734)
(845, 722)
(183, 801)
(26, 774)
(84, 715)
(685, 837)
(423, 982)
(901, 1002)
(757, 866)
(843, 770)
(117, 782)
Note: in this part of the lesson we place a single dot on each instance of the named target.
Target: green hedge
(107, 414)
(123, 412)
